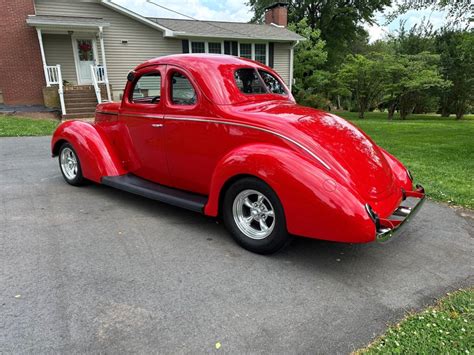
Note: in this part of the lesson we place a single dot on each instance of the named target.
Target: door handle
(157, 125)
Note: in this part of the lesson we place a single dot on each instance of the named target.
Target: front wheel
(254, 216)
(70, 165)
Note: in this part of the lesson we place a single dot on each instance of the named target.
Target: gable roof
(209, 29)
(230, 30)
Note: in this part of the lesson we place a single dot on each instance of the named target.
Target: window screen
(182, 91)
(261, 52)
(147, 89)
(198, 47)
(246, 50)
(215, 47)
(249, 82)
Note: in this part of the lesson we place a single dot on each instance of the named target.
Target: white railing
(99, 76)
(54, 77)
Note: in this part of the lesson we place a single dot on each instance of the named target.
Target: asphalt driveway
(95, 269)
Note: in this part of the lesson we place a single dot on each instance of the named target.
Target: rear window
(249, 81)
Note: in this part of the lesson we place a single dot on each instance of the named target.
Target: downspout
(104, 64)
(292, 52)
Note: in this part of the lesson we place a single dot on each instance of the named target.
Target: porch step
(81, 104)
(79, 94)
(87, 109)
(73, 116)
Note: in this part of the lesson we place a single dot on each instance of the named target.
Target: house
(73, 54)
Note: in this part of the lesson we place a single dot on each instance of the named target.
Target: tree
(310, 55)
(459, 11)
(407, 79)
(338, 20)
(364, 78)
(457, 65)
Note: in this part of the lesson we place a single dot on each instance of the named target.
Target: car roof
(214, 74)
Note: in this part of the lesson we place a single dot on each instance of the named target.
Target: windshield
(251, 81)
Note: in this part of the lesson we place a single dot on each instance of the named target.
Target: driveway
(95, 269)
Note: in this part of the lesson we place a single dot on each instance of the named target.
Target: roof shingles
(226, 30)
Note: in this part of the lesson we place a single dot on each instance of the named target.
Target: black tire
(277, 239)
(78, 179)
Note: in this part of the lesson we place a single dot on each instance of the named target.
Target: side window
(248, 81)
(182, 91)
(147, 89)
(273, 84)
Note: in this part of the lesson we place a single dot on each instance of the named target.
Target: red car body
(333, 181)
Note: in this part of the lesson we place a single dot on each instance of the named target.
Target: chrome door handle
(157, 125)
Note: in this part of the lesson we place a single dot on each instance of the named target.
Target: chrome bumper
(389, 228)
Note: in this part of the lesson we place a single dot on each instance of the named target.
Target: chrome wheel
(253, 214)
(69, 164)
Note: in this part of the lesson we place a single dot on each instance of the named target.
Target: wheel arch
(306, 191)
(96, 154)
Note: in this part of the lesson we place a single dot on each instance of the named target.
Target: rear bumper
(392, 226)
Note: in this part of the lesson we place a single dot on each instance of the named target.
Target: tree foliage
(340, 21)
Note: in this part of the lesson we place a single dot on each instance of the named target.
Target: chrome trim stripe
(257, 128)
(142, 115)
(108, 113)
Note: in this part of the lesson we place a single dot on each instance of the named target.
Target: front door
(85, 56)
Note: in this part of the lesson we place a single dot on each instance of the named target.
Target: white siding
(281, 60)
(58, 50)
(144, 42)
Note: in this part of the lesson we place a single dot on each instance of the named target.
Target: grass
(14, 126)
(438, 151)
(446, 328)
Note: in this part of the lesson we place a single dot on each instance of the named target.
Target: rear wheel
(70, 165)
(254, 216)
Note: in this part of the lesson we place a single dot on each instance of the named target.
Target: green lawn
(446, 328)
(438, 151)
(14, 126)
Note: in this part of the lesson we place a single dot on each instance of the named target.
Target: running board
(136, 185)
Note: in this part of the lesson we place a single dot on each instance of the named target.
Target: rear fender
(92, 146)
(315, 204)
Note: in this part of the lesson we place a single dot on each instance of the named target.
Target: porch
(74, 62)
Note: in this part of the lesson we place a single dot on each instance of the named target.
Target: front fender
(315, 204)
(92, 146)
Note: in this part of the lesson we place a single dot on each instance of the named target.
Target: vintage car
(223, 136)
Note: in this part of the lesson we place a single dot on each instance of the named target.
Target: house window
(182, 91)
(261, 52)
(215, 47)
(246, 50)
(198, 47)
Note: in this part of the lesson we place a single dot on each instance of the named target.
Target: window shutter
(185, 46)
(235, 50)
(271, 51)
(227, 47)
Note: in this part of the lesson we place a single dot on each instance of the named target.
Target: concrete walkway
(93, 269)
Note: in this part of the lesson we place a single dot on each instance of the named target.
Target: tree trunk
(444, 112)
(361, 114)
(391, 111)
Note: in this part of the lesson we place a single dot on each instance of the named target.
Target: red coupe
(223, 136)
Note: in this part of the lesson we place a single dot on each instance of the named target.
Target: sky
(236, 10)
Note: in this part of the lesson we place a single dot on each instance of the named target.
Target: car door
(141, 115)
(194, 142)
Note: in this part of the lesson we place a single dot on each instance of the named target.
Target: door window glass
(85, 49)
(182, 91)
(147, 89)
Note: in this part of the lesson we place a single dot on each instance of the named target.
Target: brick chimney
(277, 14)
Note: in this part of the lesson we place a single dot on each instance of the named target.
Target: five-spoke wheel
(70, 165)
(253, 214)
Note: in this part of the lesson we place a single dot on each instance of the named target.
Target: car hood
(351, 155)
